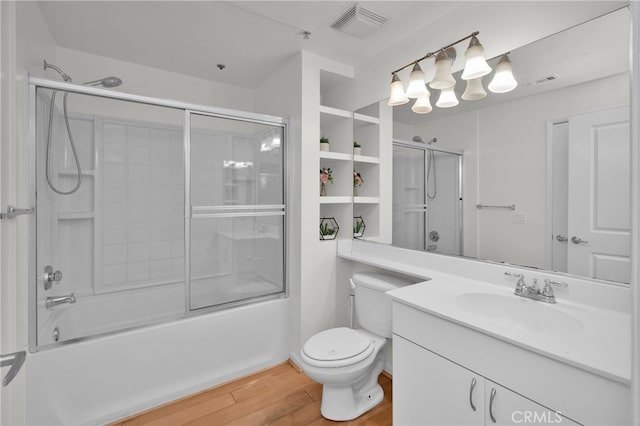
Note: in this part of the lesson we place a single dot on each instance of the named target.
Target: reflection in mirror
(556, 148)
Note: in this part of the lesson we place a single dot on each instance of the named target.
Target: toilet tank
(372, 304)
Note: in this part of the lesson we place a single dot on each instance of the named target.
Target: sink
(519, 312)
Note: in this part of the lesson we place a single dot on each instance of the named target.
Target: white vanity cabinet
(431, 390)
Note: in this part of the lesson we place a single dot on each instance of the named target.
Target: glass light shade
(442, 77)
(503, 80)
(422, 105)
(474, 90)
(447, 98)
(417, 87)
(475, 65)
(397, 96)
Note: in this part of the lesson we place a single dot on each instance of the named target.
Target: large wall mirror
(537, 177)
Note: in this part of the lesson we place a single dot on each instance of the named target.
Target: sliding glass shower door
(427, 200)
(237, 211)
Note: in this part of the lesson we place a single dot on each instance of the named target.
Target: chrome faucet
(533, 291)
(55, 301)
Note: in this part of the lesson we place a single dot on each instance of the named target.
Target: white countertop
(591, 338)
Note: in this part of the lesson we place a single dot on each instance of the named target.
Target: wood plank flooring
(279, 396)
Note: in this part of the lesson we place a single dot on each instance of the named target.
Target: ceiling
(251, 38)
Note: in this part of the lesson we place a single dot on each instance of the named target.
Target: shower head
(417, 139)
(106, 82)
(434, 140)
(63, 74)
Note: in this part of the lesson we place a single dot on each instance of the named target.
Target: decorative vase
(355, 191)
(356, 150)
(323, 189)
(324, 147)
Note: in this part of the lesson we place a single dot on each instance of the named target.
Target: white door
(559, 195)
(599, 195)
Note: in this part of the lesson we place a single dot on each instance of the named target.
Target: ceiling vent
(359, 22)
(547, 79)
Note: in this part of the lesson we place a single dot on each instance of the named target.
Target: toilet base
(342, 403)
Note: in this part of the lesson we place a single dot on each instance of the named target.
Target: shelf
(365, 118)
(366, 159)
(75, 216)
(366, 200)
(335, 112)
(329, 155)
(341, 199)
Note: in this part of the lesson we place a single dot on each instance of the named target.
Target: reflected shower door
(409, 198)
(237, 211)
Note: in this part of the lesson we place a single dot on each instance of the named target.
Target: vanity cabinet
(428, 389)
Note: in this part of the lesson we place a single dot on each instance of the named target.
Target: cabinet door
(431, 390)
(505, 407)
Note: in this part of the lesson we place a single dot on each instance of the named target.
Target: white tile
(138, 271)
(113, 254)
(114, 234)
(138, 252)
(159, 270)
(177, 249)
(177, 267)
(160, 212)
(138, 213)
(114, 275)
(159, 194)
(112, 153)
(114, 193)
(138, 154)
(160, 231)
(114, 173)
(138, 232)
(138, 193)
(161, 175)
(159, 250)
(114, 214)
(138, 136)
(138, 173)
(114, 134)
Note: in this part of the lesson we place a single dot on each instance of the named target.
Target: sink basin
(519, 312)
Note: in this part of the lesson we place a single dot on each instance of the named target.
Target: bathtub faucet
(55, 301)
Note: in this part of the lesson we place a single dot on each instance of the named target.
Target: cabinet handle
(493, 395)
(473, 385)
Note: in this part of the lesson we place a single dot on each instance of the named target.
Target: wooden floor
(278, 396)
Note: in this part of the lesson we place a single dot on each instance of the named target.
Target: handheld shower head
(63, 74)
(106, 82)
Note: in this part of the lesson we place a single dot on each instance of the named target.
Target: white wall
(504, 163)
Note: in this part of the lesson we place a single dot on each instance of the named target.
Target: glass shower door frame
(35, 277)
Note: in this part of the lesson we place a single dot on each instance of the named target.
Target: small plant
(325, 230)
(324, 140)
(357, 179)
(356, 144)
(325, 177)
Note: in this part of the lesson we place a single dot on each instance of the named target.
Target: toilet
(346, 361)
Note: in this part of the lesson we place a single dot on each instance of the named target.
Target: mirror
(520, 203)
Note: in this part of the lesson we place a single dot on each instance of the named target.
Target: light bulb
(474, 90)
(397, 96)
(443, 77)
(447, 98)
(475, 65)
(503, 80)
(417, 87)
(422, 105)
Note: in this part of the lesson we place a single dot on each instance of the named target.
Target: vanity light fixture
(475, 68)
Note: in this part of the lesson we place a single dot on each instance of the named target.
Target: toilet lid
(338, 347)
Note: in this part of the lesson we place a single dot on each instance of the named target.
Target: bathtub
(108, 378)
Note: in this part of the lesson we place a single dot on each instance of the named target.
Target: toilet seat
(337, 347)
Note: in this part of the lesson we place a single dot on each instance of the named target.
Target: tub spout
(54, 301)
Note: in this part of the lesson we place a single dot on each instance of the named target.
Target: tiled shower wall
(142, 205)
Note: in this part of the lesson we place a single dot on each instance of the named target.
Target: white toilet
(346, 361)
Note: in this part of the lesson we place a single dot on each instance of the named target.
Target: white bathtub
(104, 379)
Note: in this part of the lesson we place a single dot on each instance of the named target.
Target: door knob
(562, 238)
(576, 240)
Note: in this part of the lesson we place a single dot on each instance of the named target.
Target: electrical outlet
(519, 218)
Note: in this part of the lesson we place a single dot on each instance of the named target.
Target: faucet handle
(520, 285)
(548, 289)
